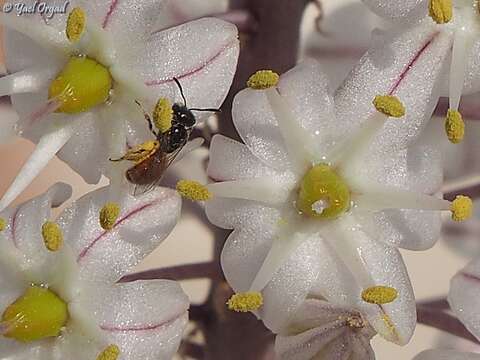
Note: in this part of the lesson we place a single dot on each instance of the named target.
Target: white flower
(300, 142)
(93, 81)
(443, 28)
(325, 331)
(441, 354)
(84, 309)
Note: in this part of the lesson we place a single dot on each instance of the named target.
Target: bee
(152, 158)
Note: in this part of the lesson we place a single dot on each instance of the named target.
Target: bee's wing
(144, 188)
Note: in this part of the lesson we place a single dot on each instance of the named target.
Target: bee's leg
(116, 160)
(147, 117)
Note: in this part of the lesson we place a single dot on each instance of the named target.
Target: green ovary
(322, 185)
(36, 315)
(82, 84)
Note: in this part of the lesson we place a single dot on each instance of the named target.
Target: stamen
(440, 11)
(258, 189)
(52, 236)
(244, 302)
(26, 81)
(110, 353)
(458, 67)
(193, 190)
(344, 154)
(45, 150)
(462, 208)
(3, 224)
(454, 126)
(389, 105)
(379, 295)
(163, 115)
(75, 24)
(263, 79)
(109, 215)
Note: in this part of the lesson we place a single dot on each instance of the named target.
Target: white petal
(372, 263)
(231, 160)
(396, 9)
(28, 80)
(130, 315)
(401, 65)
(444, 354)
(464, 296)
(200, 53)
(86, 147)
(45, 150)
(307, 91)
(232, 213)
(24, 224)
(108, 255)
(291, 284)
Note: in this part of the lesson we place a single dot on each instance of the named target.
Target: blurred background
(337, 40)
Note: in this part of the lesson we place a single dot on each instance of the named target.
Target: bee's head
(182, 115)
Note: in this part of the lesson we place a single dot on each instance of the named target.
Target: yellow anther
(52, 236)
(193, 190)
(379, 295)
(263, 79)
(75, 24)
(244, 302)
(462, 208)
(454, 126)
(140, 152)
(389, 105)
(110, 353)
(109, 215)
(163, 115)
(36, 315)
(440, 10)
(82, 84)
(3, 224)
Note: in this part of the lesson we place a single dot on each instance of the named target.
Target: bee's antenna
(181, 91)
(207, 109)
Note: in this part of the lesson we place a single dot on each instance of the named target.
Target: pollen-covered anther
(244, 302)
(379, 295)
(3, 224)
(193, 190)
(111, 352)
(462, 208)
(75, 24)
(454, 126)
(162, 115)
(441, 11)
(109, 215)
(52, 236)
(355, 322)
(389, 105)
(263, 79)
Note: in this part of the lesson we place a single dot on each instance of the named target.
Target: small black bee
(147, 173)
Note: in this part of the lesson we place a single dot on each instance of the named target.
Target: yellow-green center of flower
(323, 193)
(36, 315)
(82, 84)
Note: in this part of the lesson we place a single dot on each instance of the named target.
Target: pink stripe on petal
(112, 8)
(470, 276)
(13, 224)
(194, 71)
(142, 327)
(85, 251)
(412, 63)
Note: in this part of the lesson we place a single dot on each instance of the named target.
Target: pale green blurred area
(191, 241)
